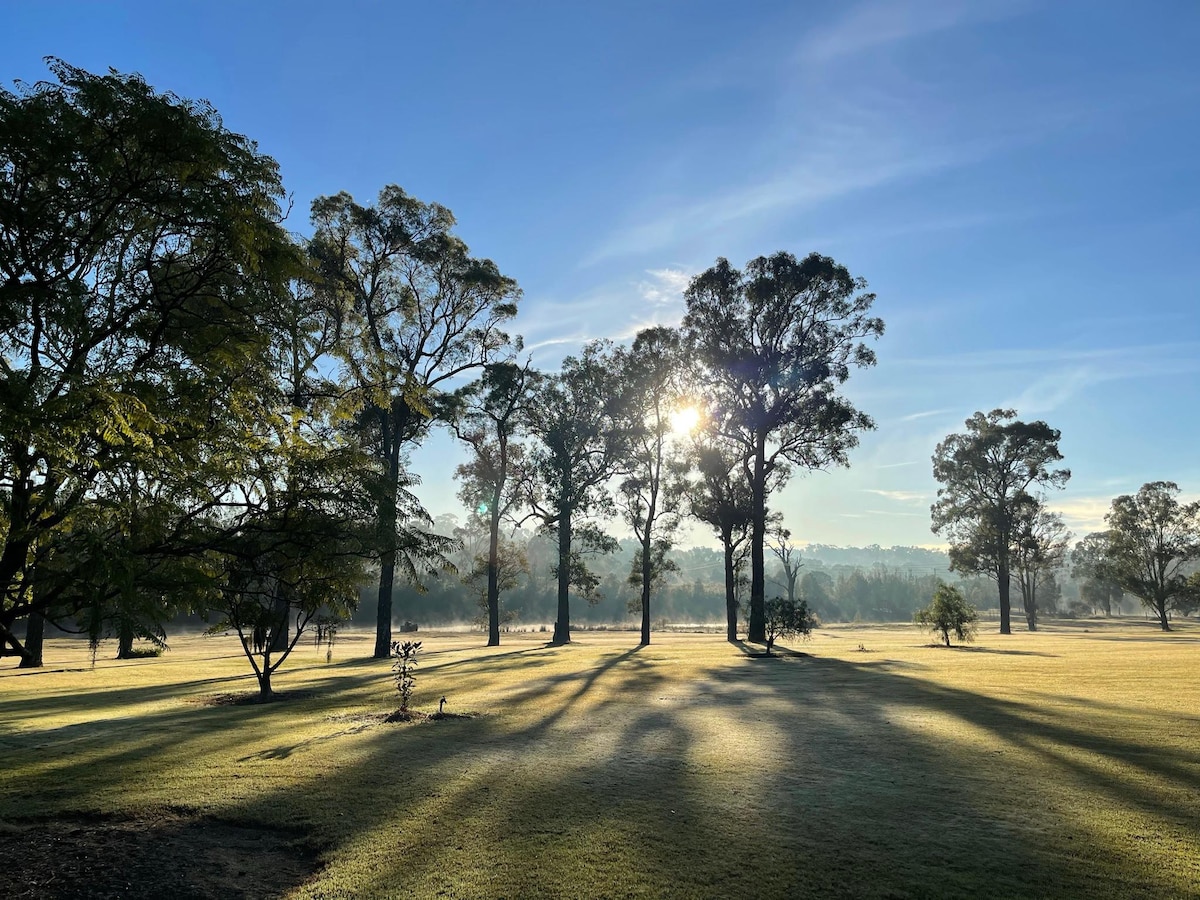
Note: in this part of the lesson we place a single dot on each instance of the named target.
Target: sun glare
(685, 420)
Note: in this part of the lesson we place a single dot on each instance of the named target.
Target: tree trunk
(125, 638)
(758, 534)
(646, 563)
(493, 576)
(730, 590)
(1004, 580)
(562, 627)
(35, 635)
(1160, 607)
(264, 683)
(387, 568)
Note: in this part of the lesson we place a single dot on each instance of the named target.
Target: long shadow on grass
(769, 777)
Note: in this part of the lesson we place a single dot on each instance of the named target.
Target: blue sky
(1018, 181)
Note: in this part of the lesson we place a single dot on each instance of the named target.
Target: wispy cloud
(900, 496)
(872, 25)
(664, 286)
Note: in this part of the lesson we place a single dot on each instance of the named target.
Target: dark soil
(170, 856)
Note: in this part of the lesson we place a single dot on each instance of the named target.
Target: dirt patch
(414, 716)
(251, 699)
(169, 855)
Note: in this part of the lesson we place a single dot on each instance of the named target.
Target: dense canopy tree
(140, 248)
(422, 314)
(774, 344)
(1152, 539)
(987, 474)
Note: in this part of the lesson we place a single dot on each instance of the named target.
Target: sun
(685, 420)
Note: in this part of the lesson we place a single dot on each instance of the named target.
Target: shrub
(949, 611)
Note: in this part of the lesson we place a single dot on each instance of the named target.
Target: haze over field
(1016, 180)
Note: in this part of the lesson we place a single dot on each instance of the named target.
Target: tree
(986, 475)
(720, 497)
(774, 344)
(1039, 548)
(650, 496)
(947, 612)
(1096, 588)
(493, 409)
(422, 313)
(139, 252)
(577, 419)
(786, 619)
(1152, 539)
(788, 556)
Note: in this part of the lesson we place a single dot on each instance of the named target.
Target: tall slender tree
(988, 474)
(650, 496)
(490, 414)
(422, 314)
(774, 344)
(1039, 549)
(577, 421)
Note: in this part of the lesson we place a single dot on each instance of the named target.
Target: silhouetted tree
(422, 312)
(650, 496)
(491, 411)
(577, 419)
(986, 475)
(774, 344)
(1096, 588)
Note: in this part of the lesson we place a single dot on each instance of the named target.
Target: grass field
(1063, 764)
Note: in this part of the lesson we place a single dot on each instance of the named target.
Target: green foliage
(140, 255)
(987, 474)
(404, 670)
(1151, 541)
(949, 612)
(786, 619)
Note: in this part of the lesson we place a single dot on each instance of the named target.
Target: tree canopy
(989, 473)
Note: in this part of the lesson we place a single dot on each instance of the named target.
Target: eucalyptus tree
(1096, 586)
(719, 495)
(651, 497)
(788, 554)
(773, 345)
(421, 315)
(578, 422)
(491, 412)
(988, 473)
(140, 249)
(1039, 548)
(1152, 541)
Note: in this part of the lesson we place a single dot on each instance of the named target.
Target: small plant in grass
(403, 669)
(786, 619)
(949, 611)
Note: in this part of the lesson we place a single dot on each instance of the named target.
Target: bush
(949, 611)
(786, 619)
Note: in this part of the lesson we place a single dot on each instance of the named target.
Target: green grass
(1064, 763)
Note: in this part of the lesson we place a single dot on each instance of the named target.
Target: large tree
(1152, 540)
(491, 411)
(650, 496)
(422, 314)
(774, 344)
(577, 419)
(140, 247)
(988, 475)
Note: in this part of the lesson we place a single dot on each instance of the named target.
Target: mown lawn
(1064, 763)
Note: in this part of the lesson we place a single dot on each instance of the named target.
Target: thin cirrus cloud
(873, 25)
